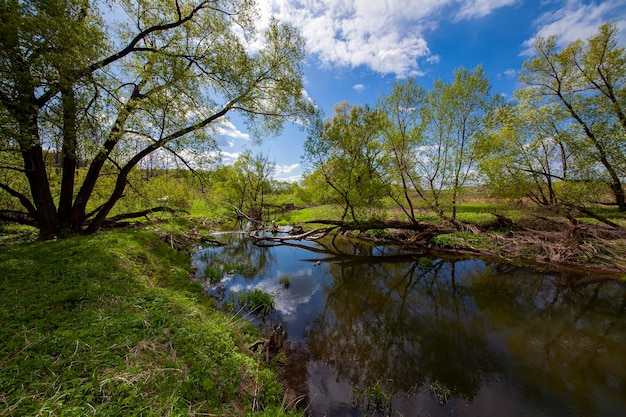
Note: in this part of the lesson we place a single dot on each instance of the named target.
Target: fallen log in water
(422, 232)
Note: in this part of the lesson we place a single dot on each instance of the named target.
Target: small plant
(247, 270)
(375, 399)
(377, 234)
(212, 274)
(426, 262)
(258, 301)
(440, 392)
(284, 281)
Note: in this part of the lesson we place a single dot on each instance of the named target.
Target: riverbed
(383, 330)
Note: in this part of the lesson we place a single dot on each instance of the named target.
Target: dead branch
(310, 235)
(142, 213)
(372, 224)
(503, 220)
(258, 223)
(593, 215)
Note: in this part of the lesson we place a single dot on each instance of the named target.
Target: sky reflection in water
(503, 340)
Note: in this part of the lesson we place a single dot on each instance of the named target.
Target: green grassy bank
(112, 325)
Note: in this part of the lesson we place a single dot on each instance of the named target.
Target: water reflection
(503, 340)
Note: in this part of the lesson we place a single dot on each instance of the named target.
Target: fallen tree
(421, 232)
(561, 243)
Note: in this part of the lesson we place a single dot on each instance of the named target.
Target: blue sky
(358, 48)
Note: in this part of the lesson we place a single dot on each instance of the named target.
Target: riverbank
(112, 324)
(530, 239)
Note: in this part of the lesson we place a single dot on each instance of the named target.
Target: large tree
(249, 184)
(346, 150)
(588, 80)
(455, 115)
(102, 91)
(528, 154)
(403, 137)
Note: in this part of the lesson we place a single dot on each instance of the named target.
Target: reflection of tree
(565, 336)
(243, 251)
(404, 323)
(398, 319)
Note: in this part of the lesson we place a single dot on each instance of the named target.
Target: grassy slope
(111, 325)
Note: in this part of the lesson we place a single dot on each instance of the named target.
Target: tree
(528, 154)
(588, 79)
(346, 150)
(403, 136)
(107, 94)
(249, 184)
(456, 115)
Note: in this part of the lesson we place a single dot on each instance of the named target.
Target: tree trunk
(69, 156)
(36, 173)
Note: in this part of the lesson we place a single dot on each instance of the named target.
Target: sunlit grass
(111, 324)
(324, 212)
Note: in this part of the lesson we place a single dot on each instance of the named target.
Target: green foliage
(584, 87)
(111, 325)
(158, 110)
(377, 233)
(426, 262)
(248, 183)
(257, 301)
(344, 150)
(374, 399)
(285, 281)
(440, 392)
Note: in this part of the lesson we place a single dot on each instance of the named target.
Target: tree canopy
(89, 90)
(587, 81)
(560, 142)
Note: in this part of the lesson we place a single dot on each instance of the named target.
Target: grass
(374, 399)
(461, 240)
(285, 281)
(440, 392)
(111, 324)
(257, 301)
(324, 212)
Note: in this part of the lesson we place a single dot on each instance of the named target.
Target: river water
(378, 330)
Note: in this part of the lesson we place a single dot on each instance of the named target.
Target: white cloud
(479, 8)
(509, 73)
(281, 173)
(576, 19)
(285, 169)
(385, 36)
(228, 129)
(306, 96)
(229, 158)
(227, 134)
(358, 87)
(433, 59)
(290, 179)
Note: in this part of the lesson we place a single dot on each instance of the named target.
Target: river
(381, 330)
